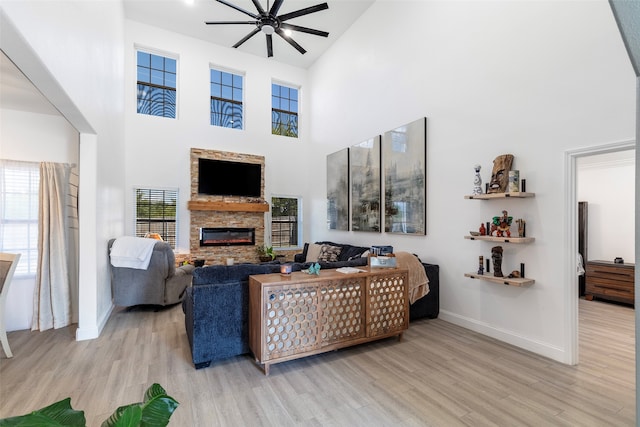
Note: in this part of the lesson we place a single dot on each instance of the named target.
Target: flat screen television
(225, 178)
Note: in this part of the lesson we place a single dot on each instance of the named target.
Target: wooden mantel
(197, 205)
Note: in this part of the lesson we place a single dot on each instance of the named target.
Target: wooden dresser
(608, 280)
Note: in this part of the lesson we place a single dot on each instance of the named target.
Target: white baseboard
(510, 337)
(94, 332)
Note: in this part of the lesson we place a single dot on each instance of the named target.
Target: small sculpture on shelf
(522, 226)
(477, 181)
(482, 230)
(496, 257)
(500, 174)
(500, 226)
(480, 264)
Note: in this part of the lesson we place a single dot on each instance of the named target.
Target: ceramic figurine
(477, 181)
(313, 269)
(482, 230)
(500, 226)
(480, 264)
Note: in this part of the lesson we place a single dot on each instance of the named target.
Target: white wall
(34, 138)
(72, 51)
(158, 149)
(530, 78)
(607, 183)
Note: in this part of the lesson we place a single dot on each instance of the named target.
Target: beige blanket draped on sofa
(418, 280)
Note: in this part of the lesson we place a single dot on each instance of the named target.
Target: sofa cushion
(329, 253)
(348, 252)
(352, 252)
(313, 252)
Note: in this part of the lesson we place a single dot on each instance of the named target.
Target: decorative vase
(477, 181)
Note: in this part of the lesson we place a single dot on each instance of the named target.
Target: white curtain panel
(52, 301)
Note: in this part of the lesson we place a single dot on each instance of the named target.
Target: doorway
(571, 178)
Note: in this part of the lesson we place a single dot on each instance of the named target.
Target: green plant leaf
(128, 416)
(58, 414)
(157, 408)
(155, 411)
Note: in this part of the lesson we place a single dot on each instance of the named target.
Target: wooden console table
(300, 315)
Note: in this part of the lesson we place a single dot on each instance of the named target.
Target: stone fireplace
(226, 213)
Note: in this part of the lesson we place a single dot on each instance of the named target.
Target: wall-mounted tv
(225, 178)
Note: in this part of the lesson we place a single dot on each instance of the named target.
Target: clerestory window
(226, 99)
(284, 110)
(156, 85)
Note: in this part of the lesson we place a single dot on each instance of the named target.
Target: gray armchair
(160, 284)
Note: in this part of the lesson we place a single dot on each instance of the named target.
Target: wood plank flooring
(438, 375)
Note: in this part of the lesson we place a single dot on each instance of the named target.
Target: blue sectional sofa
(216, 307)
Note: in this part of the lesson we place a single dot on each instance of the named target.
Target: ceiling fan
(268, 21)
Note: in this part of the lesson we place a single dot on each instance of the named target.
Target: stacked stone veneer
(210, 218)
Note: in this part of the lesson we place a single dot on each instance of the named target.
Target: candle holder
(285, 270)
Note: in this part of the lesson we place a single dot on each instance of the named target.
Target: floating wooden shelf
(519, 195)
(515, 281)
(196, 205)
(502, 239)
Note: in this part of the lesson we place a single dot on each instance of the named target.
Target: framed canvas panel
(338, 190)
(364, 173)
(404, 156)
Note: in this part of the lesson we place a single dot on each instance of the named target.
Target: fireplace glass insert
(227, 236)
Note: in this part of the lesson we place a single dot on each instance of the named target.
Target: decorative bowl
(474, 233)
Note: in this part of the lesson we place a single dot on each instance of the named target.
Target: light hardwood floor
(438, 375)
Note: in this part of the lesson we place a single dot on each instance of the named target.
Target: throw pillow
(313, 252)
(329, 253)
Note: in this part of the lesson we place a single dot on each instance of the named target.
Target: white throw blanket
(132, 252)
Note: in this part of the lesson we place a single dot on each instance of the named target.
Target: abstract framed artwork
(404, 159)
(338, 190)
(364, 175)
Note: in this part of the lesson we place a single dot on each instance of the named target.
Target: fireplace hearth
(227, 236)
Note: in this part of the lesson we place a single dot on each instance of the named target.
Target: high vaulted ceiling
(18, 93)
(183, 18)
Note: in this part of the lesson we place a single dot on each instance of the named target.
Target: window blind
(19, 188)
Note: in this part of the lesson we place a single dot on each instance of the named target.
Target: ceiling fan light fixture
(268, 29)
(269, 22)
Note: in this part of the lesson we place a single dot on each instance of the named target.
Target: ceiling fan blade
(290, 41)
(301, 12)
(269, 46)
(258, 6)
(291, 27)
(239, 9)
(275, 8)
(230, 22)
(247, 37)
